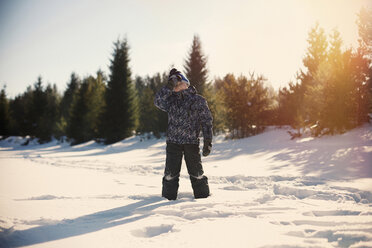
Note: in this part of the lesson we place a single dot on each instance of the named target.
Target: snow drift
(267, 191)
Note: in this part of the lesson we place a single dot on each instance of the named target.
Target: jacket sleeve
(161, 98)
(206, 120)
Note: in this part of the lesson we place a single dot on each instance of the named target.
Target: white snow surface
(267, 191)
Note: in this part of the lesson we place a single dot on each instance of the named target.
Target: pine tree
(120, 115)
(339, 97)
(68, 97)
(139, 85)
(35, 112)
(317, 50)
(151, 119)
(48, 120)
(147, 110)
(315, 62)
(78, 126)
(361, 72)
(97, 103)
(334, 87)
(364, 22)
(20, 108)
(197, 72)
(86, 110)
(217, 106)
(288, 109)
(4, 114)
(230, 94)
(196, 66)
(37, 107)
(333, 92)
(155, 83)
(246, 101)
(362, 66)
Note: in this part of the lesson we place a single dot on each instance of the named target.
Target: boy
(187, 112)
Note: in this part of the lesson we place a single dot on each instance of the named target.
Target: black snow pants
(199, 182)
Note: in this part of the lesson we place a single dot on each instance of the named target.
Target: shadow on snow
(84, 224)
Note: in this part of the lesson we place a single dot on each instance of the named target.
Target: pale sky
(55, 38)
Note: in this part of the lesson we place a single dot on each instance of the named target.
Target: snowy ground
(267, 191)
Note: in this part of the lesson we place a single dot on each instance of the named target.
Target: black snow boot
(200, 187)
(170, 188)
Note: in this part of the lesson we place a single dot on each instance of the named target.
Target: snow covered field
(267, 191)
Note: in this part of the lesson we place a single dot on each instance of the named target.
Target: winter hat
(174, 74)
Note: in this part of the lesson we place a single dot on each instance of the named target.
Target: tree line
(331, 94)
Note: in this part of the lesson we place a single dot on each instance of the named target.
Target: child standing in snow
(187, 112)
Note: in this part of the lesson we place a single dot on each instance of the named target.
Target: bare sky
(55, 38)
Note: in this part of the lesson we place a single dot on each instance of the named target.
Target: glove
(207, 147)
(173, 78)
(171, 84)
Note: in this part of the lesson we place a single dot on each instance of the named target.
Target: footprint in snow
(152, 231)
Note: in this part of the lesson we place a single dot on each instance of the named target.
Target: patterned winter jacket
(187, 112)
